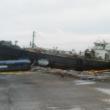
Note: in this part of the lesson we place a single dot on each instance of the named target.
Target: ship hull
(46, 60)
(75, 63)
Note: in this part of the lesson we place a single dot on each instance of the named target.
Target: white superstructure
(102, 50)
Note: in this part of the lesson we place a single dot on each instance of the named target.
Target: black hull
(75, 63)
(53, 61)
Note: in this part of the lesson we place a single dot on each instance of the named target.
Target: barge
(15, 58)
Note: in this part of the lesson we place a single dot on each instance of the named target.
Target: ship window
(100, 46)
(108, 47)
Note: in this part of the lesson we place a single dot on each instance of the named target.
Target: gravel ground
(40, 91)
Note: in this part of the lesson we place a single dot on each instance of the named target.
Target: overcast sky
(67, 24)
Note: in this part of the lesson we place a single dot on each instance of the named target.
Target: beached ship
(96, 58)
(13, 57)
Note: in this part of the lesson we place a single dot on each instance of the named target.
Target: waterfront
(42, 91)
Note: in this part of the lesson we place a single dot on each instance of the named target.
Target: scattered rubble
(84, 75)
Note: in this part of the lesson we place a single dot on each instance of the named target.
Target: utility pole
(33, 39)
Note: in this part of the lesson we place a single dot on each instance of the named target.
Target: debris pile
(84, 75)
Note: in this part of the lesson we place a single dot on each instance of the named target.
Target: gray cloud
(57, 22)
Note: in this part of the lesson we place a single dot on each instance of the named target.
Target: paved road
(40, 91)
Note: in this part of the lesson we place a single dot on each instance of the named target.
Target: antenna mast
(33, 39)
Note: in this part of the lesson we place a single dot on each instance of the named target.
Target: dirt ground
(42, 91)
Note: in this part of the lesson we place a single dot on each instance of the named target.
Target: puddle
(107, 109)
(104, 90)
(77, 109)
(83, 82)
(53, 108)
(107, 101)
(58, 108)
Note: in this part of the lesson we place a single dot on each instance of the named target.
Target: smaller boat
(15, 65)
